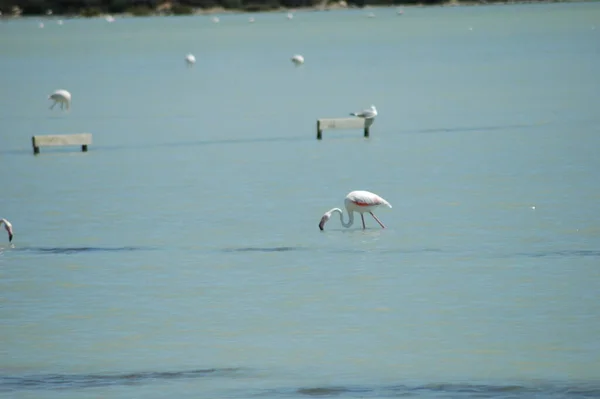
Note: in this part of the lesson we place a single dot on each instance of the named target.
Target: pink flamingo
(8, 228)
(357, 201)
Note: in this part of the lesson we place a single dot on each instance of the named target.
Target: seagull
(368, 113)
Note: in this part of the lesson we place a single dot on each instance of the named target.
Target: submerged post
(36, 149)
(319, 131)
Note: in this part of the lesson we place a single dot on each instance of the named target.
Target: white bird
(370, 15)
(399, 11)
(190, 60)
(8, 228)
(215, 20)
(250, 19)
(60, 96)
(298, 60)
(109, 18)
(369, 113)
(60, 22)
(41, 25)
(357, 201)
(290, 15)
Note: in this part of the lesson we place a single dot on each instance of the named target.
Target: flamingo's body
(369, 113)
(290, 15)
(8, 228)
(190, 60)
(60, 96)
(357, 201)
(298, 60)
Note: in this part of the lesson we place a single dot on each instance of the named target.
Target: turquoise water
(180, 256)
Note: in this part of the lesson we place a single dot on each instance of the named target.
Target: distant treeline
(90, 8)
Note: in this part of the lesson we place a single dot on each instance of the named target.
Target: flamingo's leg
(363, 220)
(378, 221)
(53, 104)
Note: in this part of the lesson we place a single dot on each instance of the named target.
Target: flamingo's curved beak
(322, 223)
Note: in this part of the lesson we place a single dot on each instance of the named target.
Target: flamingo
(190, 60)
(298, 60)
(60, 96)
(8, 228)
(357, 201)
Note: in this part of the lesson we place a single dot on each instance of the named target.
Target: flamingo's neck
(350, 217)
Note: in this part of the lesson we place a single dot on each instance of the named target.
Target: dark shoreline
(175, 9)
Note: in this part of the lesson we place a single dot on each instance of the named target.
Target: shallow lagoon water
(181, 255)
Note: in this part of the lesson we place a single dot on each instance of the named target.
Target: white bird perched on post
(298, 60)
(8, 228)
(369, 113)
(357, 201)
(60, 96)
(190, 60)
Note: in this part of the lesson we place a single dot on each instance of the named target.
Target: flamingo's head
(324, 220)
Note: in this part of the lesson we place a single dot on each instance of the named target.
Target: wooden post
(81, 139)
(319, 131)
(36, 149)
(344, 123)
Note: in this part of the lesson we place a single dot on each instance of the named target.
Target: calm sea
(180, 256)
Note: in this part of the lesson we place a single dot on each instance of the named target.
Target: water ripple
(78, 381)
(74, 250)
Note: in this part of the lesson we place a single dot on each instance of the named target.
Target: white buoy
(190, 60)
(60, 96)
(109, 18)
(216, 20)
(290, 15)
(251, 20)
(298, 60)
